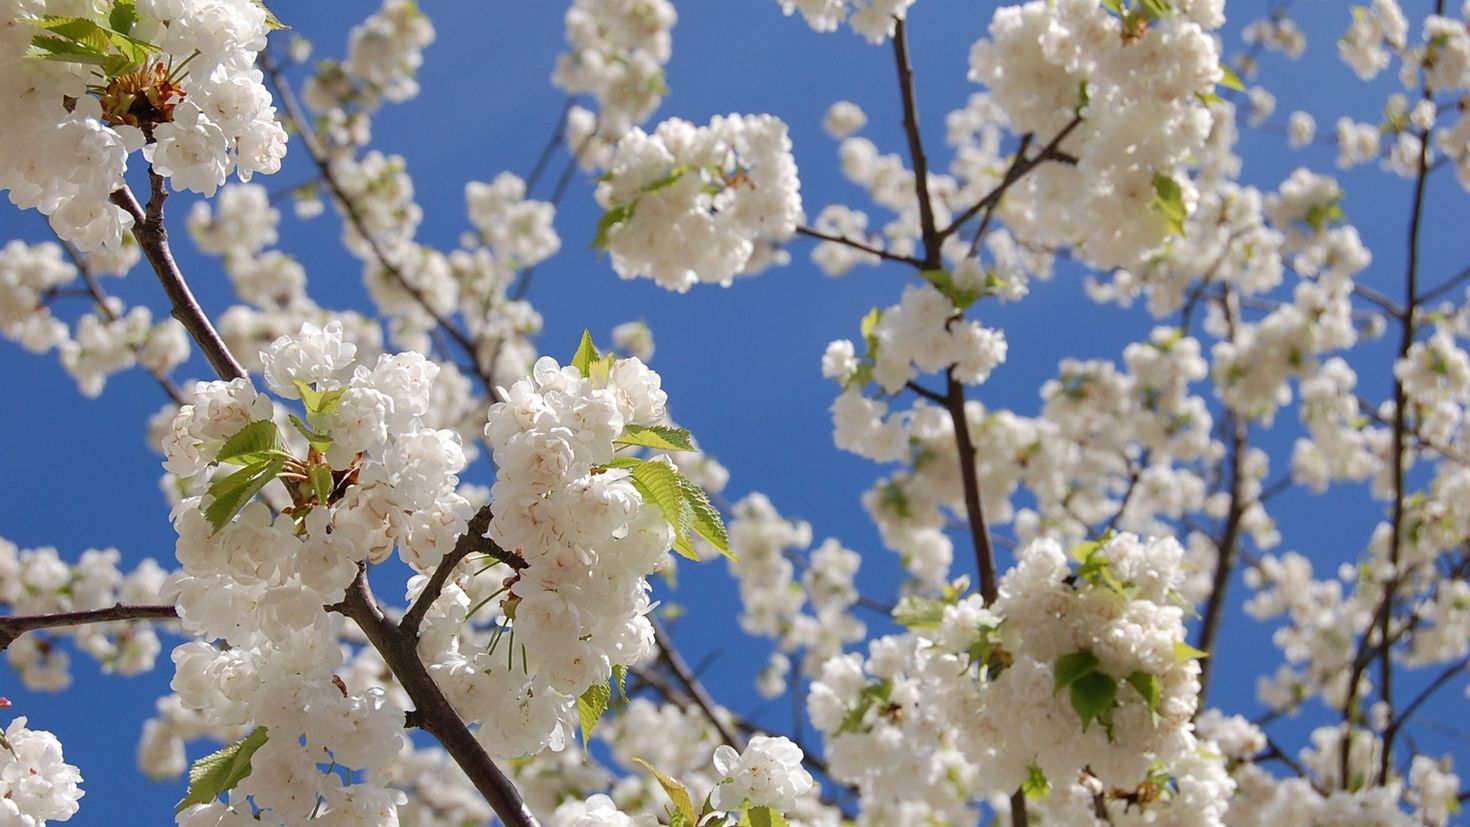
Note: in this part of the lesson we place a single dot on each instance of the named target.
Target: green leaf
(319, 403)
(917, 612)
(1115, 6)
(1184, 652)
(1036, 787)
(707, 520)
(321, 442)
(586, 354)
(219, 772)
(943, 281)
(1157, 9)
(869, 329)
(61, 50)
(657, 437)
(270, 19)
(620, 679)
(762, 817)
(658, 483)
(1071, 668)
(676, 791)
(321, 481)
(590, 708)
(1093, 697)
(1169, 201)
(1152, 690)
(233, 492)
(613, 217)
(668, 180)
(123, 16)
(252, 444)
(1229, 79)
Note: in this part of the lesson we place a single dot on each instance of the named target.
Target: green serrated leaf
(668, 180)
(677, 792)
(321, 482)
(61, 50)
(1093, 697)
(252, 444)
(1229, 79)
(707, 520)
(658, 483)
(270, 19)
(613, 217)
(231, 494)
(657, 437)
(1036, 787)
(321, 442)
(586, 354)
(1157, 9)
(1152, 690)
(219, 772)
(590, 708)
(916, 612)
(1168, 201)
(1071, 668)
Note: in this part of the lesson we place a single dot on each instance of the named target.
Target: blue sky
(741, 365)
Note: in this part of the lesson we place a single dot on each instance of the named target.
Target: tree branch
(433, 712)
(676, 663)
(1225, 550)
(153, 238)
(858, 245)
(920, 163)
(974, 510)
(471, 542)
(13, 627)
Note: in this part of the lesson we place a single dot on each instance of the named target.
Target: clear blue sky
(741, 365)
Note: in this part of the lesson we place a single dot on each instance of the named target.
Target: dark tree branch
(432, 711)
(690, 682)
(1225, 549)
(13, 627)
(920, 163)
(153, 238)
(954, 401)
(858, 245)
(471, 542)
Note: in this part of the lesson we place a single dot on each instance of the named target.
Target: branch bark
(13, 627)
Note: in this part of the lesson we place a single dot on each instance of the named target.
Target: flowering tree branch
(858, 245)
(473, 541)
(13, 627)
(920, 162)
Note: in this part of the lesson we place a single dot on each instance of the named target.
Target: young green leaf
(1184, 652)
(123, 16)
(586, 354)
(1149, 686)
(1093, 697)
(590, 708)
(219, 772)
(657, 437)
(1070, 668)
(321, 481)
(233, 492)
(321, 442)
(762, 817)
(319, 403)
(1229, 79)
(658, 483)
(613, 217)
(257, 441)
(707, 520)
(676, 791)
(620, 680)
(916, 612)
(1036, 787)
(1168, 201)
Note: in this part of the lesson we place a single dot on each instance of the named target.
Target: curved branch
(153, 238)
(811, 232)
(473, 541)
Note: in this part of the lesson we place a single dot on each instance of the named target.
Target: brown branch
(13, 627)
(920, 163)
(1020, 166)
(473, 541)
(432, 711)
(1225, 549)
(811, 232)
(687, 679)
(152, 236)
(974, 510)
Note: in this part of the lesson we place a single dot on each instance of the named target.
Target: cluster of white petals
(36, 785)
(66, 145)
(616, 54)
(699, 204)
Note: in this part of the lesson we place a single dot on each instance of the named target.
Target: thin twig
(919, 162)
(812, 232)
(676, 663)
(471, 542)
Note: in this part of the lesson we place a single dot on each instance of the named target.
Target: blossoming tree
(423, 571)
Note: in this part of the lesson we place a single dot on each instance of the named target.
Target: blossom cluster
(690, 204)
(174, 80)
(36, 785)
(617, 51)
